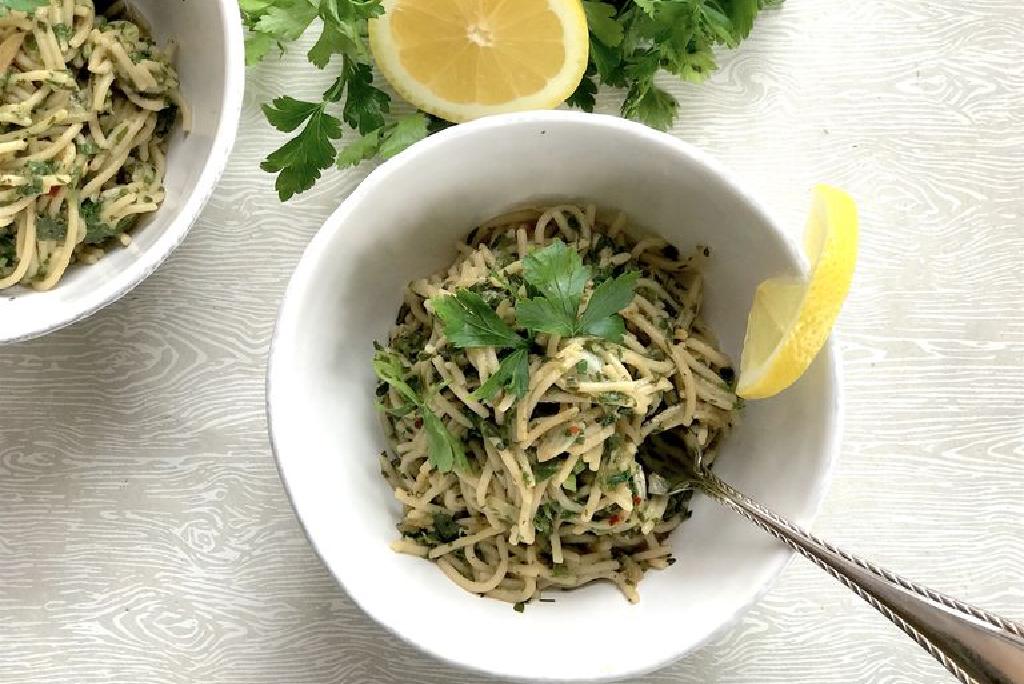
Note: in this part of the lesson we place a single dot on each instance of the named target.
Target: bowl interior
(402, 223)
(209, 64)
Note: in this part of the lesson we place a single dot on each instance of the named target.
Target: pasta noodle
(562, 486)
(87, 103)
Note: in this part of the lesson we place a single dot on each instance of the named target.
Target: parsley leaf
(678, 36)
(286, 19)
(601, 20)
(650, 104)
(584, 97)
(365, 105)
(362, 148)
(385, 142)
(299, 161)
(286, 113)
(608, 63)
(741, 14)
(557, 272)
(257, 45)
(513, 372)
(342, 33)
(608, 299)
(545, 316)
(346, 21)
(444, 450)
(470, 322)
(388, 368)
(406, 131)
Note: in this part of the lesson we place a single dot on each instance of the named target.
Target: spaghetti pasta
(560, 484)
(87, 102)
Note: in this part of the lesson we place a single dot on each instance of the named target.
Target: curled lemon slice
(790, 319)
(463, 59)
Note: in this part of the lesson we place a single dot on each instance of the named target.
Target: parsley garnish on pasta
(563, 358)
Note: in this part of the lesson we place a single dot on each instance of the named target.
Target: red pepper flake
(636, 500)
(418, 423)
(614, 520)
(574, 429)
(54, 191)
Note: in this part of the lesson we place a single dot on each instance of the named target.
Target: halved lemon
(791, 319)
(463, 59)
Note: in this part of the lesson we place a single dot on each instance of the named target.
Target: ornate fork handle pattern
(976, 646)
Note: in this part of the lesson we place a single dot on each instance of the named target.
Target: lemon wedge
(791, 319)
(463, 59)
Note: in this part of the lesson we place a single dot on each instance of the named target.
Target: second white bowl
(402, 223)
(211, 64)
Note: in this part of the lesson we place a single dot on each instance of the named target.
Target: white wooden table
(144, 533)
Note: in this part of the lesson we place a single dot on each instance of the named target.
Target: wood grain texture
(144, 533)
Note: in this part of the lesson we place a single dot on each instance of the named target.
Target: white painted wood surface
(144, 533)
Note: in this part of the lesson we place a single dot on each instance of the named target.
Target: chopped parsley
(62, 32)
(50, 228)
(543, 471)
(33, 187)
(546, 515)
(8, 250)
(41, 168)
(96, 230)
(87, 147)
(616, 479)
(445, 527)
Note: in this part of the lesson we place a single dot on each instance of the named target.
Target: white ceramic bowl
(211, 64)
(402, 223)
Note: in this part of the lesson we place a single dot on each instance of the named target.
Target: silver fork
(976, 646)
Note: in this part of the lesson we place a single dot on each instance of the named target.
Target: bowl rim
(336, 220)
(216, 163)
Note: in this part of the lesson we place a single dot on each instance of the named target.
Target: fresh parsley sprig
(299, 161)
(444, 450)
(631, 41)
(559, 276)
(366, 109)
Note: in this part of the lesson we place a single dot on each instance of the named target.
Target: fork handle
(976, 646)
